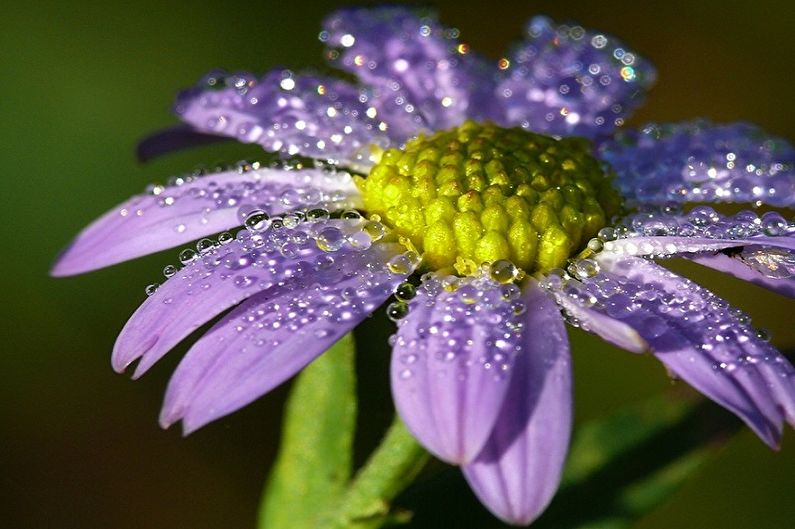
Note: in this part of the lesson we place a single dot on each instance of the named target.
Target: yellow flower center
(479, 193)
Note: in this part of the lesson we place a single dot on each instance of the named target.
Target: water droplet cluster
(563, 79)
(203, 203)
(295, 252)
(455, 325)
(285, 112)
(702, 162)
(325, 307)
(480, 193)
(661, 233)
(672, 314)
(421, 76)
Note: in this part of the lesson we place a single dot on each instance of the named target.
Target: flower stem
(390, 469)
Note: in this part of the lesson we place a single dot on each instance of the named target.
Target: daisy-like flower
(508, 189)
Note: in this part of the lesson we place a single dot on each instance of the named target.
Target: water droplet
(774, 224)
(317, 214)
(405, 291)
(351, 214)
(330, 239)
(374, 229)
(397, 310)
(585, 268)
(360, 240)
(187, 256)
(510, 292)
(503, 271)
(400, 264)
(595, 245)
(606, 234)
(244, 281)
(257, 221)
(204, 245)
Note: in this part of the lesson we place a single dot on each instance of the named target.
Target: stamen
(479, 194)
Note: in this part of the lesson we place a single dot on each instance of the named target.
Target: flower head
(475, 176)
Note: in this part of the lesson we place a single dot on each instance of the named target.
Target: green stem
(390, 469)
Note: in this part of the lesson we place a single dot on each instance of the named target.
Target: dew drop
(204, 245)
(257, 221)
(187, 256)
(351, 214)
(244, 281)
(397, 310)
(503, 271)
(374, 229)
(317, 214)
(405, 291)
(330, 239)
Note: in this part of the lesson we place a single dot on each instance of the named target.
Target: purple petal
(421, 77)
(758, 249)
(703, 221)
(758, 272)
(697, 335)
(451, 363)
(609, 329)
(172, 139)
(666, 246)
(702, 162)
(519, 469)
(313, 116)
(226, 275)
(198, 207)
(566, 80)
(269, 338)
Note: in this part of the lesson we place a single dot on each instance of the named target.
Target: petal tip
(65, 265)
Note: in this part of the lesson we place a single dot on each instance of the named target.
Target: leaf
(623, 466)
(315, 457)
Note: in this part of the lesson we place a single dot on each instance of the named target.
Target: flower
(476, 176)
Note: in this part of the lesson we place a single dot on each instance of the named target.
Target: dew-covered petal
(671, 231)
(763, 267)
(173, 139)
(194, 207)
(664, 246)
(421, 76)
(576, 305)
(702, 162)
(226, 274)
(309, 115)
(759, 249)
(452, 362)
(269, 338)
(517, 472)
(697, 335)
(703, 341)
(563, 79)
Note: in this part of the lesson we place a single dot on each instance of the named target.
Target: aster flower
(509, 188)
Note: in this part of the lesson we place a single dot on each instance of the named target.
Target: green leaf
(315, 457)
(623, 466)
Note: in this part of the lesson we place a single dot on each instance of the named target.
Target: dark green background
(81, 82)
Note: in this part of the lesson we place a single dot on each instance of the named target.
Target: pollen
(479, 194)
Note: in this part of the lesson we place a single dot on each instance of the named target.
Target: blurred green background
(81, 82)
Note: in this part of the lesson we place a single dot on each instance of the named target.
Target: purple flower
(475, 176)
